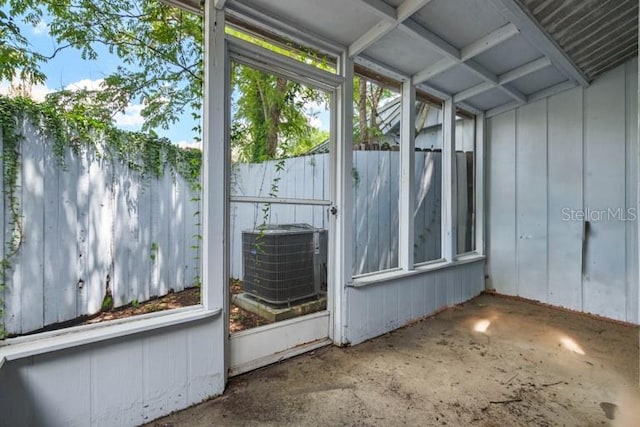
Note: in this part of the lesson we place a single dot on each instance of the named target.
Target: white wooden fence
(376, 195)
(91, 225)
(97, 224)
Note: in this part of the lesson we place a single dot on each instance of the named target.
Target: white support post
(215, 163)
(638, 182)
(341, 246)
(407, 175)
(449, 179)
(479, 184)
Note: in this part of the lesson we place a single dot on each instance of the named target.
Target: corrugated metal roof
(596, 34)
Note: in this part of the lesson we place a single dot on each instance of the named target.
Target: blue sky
(69, 70)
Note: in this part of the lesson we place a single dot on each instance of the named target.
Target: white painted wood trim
(505, 78)
(282, 27)
(480, 179)
(216, 169)
(524, 70)
(261, 58)
(279, 201)
(260, 346)
(489, 41)
(638, 179)
(449, 180)
(386, 25)
(342, 259)
(385, 277)
(473, 91)
(18, 348)
(433, 70)
(407, 176)
(215, 161)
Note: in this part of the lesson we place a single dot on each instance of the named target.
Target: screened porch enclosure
(468, 146)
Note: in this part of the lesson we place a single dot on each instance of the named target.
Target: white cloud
(36, 92)
(41, 28)
(189, 144)
(86, 84)
(131, 117)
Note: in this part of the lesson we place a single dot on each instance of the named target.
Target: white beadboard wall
(575, 150)
(120, 382)
(375, 309)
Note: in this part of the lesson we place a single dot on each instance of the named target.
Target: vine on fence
(77, 128)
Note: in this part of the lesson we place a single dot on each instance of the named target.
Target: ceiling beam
(382, 9)
(473, 91)
(282, 27)
(504, 78)
(523, 70)
(437, 43)
(390, 20)
(538, 37)
(489, 41)
(433, 70)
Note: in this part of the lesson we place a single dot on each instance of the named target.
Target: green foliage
(269, 120)
(107, 303)
(154, 252)
(161, 48)
(16, 58)
(70, 129)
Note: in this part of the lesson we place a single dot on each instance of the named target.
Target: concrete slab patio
(491, 362)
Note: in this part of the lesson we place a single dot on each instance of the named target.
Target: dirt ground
(239, 319)
(492, 362)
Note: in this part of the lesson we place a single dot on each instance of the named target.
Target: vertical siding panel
(565, 195)
(165, 374)
(52, 242)
(143, 244)
(385, 224)
(419, 225)
(16, 411)
(461, 201)
(180, 187)
(31, 249)
(361, 212)
(501, 188)
(205, 359)
(56, 384)
(100, 231)
(531, 176)
(631, 155)
(379, 308)
(604, 281)
(82, 235)
(375, 184)
(121, 236)
(111, 363)
(394, 208)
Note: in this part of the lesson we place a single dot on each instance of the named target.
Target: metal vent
(284, 263)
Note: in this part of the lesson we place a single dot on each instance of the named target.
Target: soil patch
(490, 362)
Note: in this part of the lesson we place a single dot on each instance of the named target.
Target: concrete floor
(491, 362)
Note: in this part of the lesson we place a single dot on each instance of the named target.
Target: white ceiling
(488, 54)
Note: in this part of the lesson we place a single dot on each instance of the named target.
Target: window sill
(422, 269)
(21, 347)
